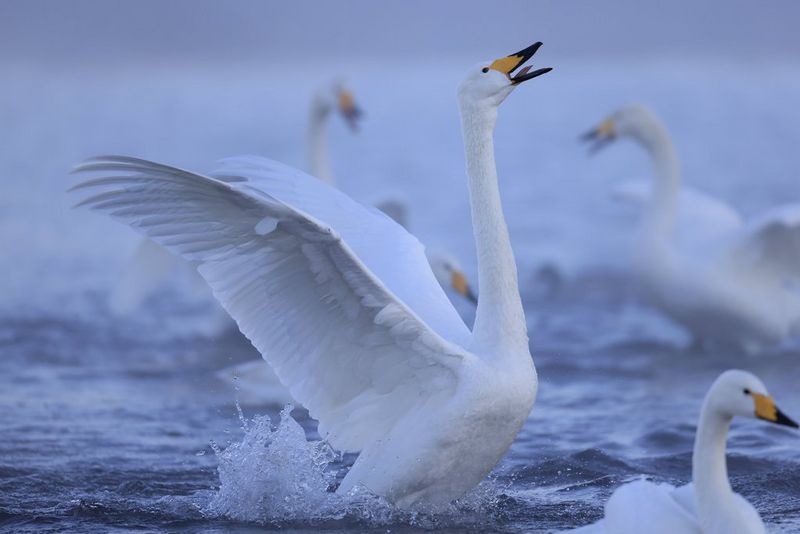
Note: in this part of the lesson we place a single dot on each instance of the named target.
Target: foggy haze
(109, 33)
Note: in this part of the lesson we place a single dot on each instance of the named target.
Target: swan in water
(729, 282)
(151, 264)
(708, 505)
(342, 303)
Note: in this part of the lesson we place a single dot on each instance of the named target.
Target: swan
(708, 505)
(342, 303)
(323, 103)
(151, 265)
(729, 282)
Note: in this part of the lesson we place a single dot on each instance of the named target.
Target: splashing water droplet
(274, 475)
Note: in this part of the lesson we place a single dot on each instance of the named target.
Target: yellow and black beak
(507, 65)
(601, 135)
(349, 110)
(460, 284)
(766, 410)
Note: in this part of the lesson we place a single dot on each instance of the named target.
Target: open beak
(601, 136)
(349, 110)
(507, 65)
(460, 284)
(768, 411)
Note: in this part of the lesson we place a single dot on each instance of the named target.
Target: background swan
(328, 99)
(728, 281)
(341, 301)
(708, 505)
(151, 265)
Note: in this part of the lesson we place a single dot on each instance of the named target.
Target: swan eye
(485, 70)
(746, 391)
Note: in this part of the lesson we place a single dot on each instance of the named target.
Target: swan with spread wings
(342, 303)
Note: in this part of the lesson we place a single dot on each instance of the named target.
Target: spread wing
(770, 244)
(321, 301)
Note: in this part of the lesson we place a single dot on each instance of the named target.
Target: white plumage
(342, 303)
(708, 505)
(151, 265)
(729, 282)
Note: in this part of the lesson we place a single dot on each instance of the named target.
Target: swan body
(151, 265)
(341, 301)
(704, 225)
(729, 282)
(708, 505)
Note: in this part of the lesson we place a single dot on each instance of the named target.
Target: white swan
(708, 505)
(324, 102)
(151, 265)
(728, 282)
(341, 301)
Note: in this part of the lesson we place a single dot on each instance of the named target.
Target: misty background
(112, 33)
(191, 82)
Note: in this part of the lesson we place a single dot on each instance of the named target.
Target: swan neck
(499, 320)
(713, 493)
(661, 213)
(318, 162)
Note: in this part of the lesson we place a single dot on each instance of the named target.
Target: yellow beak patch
(506, 64)
(346, 101)
(459, 282)
(606, 128)
(765, 407)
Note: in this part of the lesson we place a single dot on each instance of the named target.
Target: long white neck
(713, 493)
(499, 320)
(318, 162)
(661, 212)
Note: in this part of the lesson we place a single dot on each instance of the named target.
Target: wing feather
(770, 244)
(347, 346)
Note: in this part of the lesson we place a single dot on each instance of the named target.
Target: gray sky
(115, 31)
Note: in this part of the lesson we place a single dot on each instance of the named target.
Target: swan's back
(704, 225)
(643, 506)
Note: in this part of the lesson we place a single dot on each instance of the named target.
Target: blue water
(116, 425)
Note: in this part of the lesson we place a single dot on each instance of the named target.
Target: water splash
(275, 476)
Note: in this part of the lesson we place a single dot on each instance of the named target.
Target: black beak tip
(783, 419)
(529, 51)
(353, 117)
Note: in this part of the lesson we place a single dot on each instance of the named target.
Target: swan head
(635, 121)
(488, 83)
(449, 274)
(336, 97)
(739, 393)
